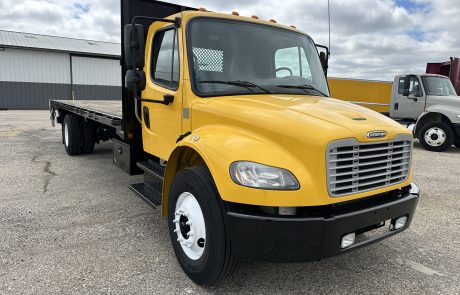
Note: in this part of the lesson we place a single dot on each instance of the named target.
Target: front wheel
(436, 136)
(197, 227)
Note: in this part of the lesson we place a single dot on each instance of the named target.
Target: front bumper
(299, 238)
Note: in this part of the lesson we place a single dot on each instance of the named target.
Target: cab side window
(165, 61)
(414, 86)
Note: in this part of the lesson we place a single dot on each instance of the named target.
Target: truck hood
(445, 100)
(302, 117)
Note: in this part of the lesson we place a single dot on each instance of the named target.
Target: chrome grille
(354, 167)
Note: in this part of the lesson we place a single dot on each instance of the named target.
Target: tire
(72, 134)
(195, 186)
(88, 137)
(62, 132)
(436, 136)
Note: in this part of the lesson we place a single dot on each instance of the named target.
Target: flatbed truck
(229, 119)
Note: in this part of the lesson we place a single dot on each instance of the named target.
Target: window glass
(228, 57)
(440, 86)
(414, 84)
(291, 61)
(165, 72)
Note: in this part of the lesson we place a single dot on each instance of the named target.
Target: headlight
(256, 175)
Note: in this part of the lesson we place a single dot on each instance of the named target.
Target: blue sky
(371, 39)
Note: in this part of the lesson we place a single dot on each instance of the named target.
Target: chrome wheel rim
(189, 226)
(66, 135)
(435, 136)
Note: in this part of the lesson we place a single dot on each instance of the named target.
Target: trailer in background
(373, 94)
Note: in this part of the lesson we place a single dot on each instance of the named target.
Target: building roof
(62, 44)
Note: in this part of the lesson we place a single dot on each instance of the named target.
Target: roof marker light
(202, 9)
(272, 20)
(254, 17)
(293, 26)
(235, 13)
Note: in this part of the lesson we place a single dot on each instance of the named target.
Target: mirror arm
(167, 99)
(176, 21)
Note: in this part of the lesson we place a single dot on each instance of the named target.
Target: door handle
(396, 106)
(168, 98)
(146, 117)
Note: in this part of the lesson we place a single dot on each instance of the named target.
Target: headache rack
(354, 167)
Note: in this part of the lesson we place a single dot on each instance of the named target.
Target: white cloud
(371, 39)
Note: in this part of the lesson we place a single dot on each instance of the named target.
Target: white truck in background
(430, 106)
(426, 103)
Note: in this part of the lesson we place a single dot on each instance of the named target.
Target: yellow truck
(249, 158)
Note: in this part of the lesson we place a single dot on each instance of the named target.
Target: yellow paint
(362, 91)
(165, 120)
(287, 131)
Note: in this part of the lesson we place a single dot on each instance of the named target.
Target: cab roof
(189, 14)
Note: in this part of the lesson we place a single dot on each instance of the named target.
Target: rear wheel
(72, 134)
(197, 227)
(436, 136)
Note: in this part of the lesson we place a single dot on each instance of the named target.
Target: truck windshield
(438, 86)
(228, 57)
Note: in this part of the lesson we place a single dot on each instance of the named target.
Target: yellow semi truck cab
(244, 150)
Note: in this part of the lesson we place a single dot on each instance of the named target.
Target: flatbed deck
(107, 112)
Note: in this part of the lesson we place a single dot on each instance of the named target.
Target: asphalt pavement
(70, 225)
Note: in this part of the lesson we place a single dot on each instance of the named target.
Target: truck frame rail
(106, 112)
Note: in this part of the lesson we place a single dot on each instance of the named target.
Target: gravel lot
(71, 225)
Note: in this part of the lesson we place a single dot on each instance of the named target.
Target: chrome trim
(370, 103)
(396, 153)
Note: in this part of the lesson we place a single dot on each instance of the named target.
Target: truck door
(162, 124)
(411, 106)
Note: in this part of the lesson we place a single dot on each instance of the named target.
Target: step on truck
(229, 119)
(427, 104)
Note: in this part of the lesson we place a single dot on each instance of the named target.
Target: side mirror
(134, 45)
(323, 57)
(416, 91)
(324, 61)
(406, 86)
(135, 80)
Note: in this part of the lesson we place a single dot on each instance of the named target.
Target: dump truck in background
(450, 69)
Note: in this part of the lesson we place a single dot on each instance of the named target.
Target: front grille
(354, 167)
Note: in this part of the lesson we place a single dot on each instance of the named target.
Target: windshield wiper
(245, 84)
(304, 87)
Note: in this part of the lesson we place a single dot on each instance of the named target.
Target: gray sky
(370, 39)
